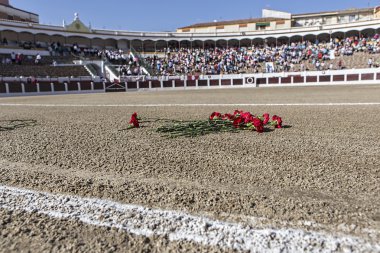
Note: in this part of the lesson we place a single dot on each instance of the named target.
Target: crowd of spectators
(128, 65)
(114, 56)
(57, 49)
(296, 56)
(299, 56)
(19, 59)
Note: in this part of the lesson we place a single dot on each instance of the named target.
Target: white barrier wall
(27, 86)
(330, 77)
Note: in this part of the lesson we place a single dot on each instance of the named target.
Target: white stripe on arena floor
(188, 105)
(177, 226)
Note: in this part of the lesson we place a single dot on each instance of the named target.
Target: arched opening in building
(197, 44)
(270, 42)
(82, 42)
(324, 37)
(338, 35)
(43, 40)
(258, 42)
(123, 44)
(366, 33)
(161, 45)
(110, 44)
(246, 43)
(185, 44)
(310, 38)
(173, 44)
(137, 45)
(10, 37)
(352, 33)
(209, 44)
(234, 43)
(296, 39)
(149, 46)
(221, 44)
(283, 40)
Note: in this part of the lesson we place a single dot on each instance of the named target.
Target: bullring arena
(311, 186)
(77, 174)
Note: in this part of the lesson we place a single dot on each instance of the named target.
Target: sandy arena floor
(71, 181)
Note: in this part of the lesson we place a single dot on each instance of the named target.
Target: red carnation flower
(215, 115)
(266, 118)
(134, 122)
(227, 116)
(248, 119)
(278, 121)
(237, 122)
(258, 124)
(237, 112)
(246, 116)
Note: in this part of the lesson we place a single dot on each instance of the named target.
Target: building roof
(341, 12)
(258, 20)
(10, 6)
(4, 2)
(232, 22)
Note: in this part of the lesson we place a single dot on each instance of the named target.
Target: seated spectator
(38, 59)
(13, 57)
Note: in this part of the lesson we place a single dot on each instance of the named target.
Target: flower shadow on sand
(9, 125)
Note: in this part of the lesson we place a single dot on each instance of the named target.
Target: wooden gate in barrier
(115, 87)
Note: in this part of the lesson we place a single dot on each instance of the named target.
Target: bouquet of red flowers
(218, 122)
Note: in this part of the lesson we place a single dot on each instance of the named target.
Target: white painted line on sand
(178, 226)
(188, 105)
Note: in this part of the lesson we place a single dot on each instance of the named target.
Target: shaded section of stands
(42, 71)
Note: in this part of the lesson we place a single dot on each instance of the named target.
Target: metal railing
(142, 61)
(114, 73)
(91, 69)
